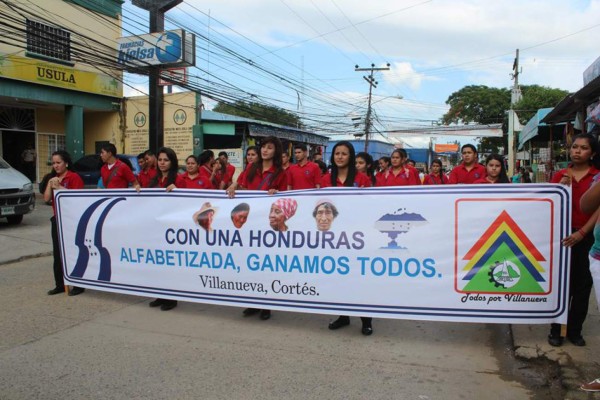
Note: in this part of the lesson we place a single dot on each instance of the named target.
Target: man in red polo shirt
(115, 174)
(229, 170)
(149, 170)
(469, 170)
(304, 174)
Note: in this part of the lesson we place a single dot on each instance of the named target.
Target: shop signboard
(170, 48)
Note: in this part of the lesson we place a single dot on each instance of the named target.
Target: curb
(27, 257)
(570, 376)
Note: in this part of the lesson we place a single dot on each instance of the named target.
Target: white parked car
(16, 194)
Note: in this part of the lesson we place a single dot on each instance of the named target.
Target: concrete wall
(179, 118)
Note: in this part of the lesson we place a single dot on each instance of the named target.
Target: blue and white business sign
(172, 48)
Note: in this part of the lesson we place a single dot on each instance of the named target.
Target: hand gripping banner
(475, 253)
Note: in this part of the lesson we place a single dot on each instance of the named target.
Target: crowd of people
(269, 168)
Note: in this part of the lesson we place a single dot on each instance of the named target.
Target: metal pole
(368, 118)
(157, 10)
(156, 136)
(372, 83)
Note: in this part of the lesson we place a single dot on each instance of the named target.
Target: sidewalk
(578, 364)
(29, 239)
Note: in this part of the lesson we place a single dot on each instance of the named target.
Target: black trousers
(58, 270)
(580, 288)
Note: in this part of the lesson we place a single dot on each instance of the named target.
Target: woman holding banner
(168, 179)
(344, 173)
(62, 178)
(265, 173)
(579, 176)
(343, 168)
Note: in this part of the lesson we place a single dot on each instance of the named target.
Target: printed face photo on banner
(204, 217)
(239, 214)
(324, 213)
(281, 211)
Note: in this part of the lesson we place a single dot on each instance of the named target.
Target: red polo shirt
(578, 188)
(228, 176)
(306, 176)
(360, 180)
(431, 179)
(145, 177)
(460, 174)
(407, 176)
(71, 180)
(121, 179)
(264, 180)
(179, 182)
(199, 182)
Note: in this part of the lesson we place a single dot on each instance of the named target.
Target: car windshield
(3, 164)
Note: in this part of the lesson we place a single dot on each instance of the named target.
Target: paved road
(102, 345)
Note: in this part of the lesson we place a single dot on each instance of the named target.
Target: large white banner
(476, 253)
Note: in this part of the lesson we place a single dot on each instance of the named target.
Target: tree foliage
(477, 103)
(536, 97)
(487, 105)
(259, 112)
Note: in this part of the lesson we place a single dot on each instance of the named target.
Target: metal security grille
(48, 41)
(19, 119)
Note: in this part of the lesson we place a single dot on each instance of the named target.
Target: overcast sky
(434, 48)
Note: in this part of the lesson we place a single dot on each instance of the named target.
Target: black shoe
(168, 305)
(577, 340)
(367, 330)
(76, 290)
(156, 303)
(339, 323)
(265, 314)
(250, 311)
(555, 341)
(56, 290)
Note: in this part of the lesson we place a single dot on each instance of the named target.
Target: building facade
(58, 85)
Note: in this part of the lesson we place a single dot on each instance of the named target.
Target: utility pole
(156, 133)
(372, 83)
(515, 96)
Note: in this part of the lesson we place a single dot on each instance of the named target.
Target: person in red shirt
(141, 160)
(62, 178)
(303, 174)
(229, 170)
(285, 160)
(384, 165)
(344, 173)
(115, 174)
(169, 179)
(266, 173)
(400, 173)
(343, 168)
(207, 171)
(364, 164)
(251, 157)
(436, 176)
(148, 171)
(191, 175)
(495, 170)
(579, 175)
(469, 170)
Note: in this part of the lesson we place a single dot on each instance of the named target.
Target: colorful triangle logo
(504, 260)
